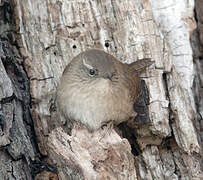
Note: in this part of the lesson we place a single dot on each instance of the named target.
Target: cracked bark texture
(39, 38)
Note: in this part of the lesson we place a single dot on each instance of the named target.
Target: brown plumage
(96, 88)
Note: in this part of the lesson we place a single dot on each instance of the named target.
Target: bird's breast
(96, 103)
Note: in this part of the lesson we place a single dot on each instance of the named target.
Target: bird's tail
(140, 65)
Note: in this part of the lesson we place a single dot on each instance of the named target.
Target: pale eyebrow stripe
(85, 64)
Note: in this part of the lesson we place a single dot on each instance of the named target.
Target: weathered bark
(39, 38)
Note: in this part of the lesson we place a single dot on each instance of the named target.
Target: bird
(96, 88)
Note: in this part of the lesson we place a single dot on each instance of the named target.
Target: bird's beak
(108, 76)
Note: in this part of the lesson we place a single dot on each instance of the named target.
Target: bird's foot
(106, 129)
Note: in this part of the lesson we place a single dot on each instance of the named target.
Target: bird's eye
(91, 72)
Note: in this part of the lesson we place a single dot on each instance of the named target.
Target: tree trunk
(39, 38)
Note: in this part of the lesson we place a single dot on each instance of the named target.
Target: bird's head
(94, 65)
